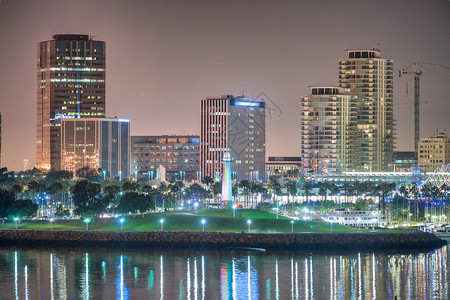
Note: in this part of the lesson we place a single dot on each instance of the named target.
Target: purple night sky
(164, 56)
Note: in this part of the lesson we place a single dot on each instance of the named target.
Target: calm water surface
(64, 273)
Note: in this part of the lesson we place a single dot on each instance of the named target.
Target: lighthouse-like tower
(227, 194)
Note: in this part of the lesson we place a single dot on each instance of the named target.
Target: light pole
(292, 226)
(162, 222)
(87, 223)
(278, 208)
(51, 224)
(195, 205)
(234, 210)
(121, 223)
(359, 224)
(189, 204)
(120, 175)
(249, 222)
(104, 175)
(16, 220)
(203, 223)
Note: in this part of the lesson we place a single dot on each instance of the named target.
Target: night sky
(164, 56)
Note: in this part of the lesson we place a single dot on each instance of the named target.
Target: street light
(162, 222)
(234, 210)
(195, 205)
(16, 220)
(51, 224)
(104, 175)
(249, 222)
(203, 223)
(121, 223)
(87, 223)
(292, 226)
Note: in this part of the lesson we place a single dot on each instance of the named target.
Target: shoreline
(219, 240)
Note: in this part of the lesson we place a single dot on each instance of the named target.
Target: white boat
(356, 217)
(443, 233)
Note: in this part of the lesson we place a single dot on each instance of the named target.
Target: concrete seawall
(217, 240)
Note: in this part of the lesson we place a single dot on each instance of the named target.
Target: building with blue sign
(236, 125)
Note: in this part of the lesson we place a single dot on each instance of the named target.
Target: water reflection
(130, 274)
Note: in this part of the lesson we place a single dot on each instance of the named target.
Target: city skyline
(163, 58)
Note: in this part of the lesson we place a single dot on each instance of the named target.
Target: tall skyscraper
(70, 84)
(328, 130)
(370, 78)
(0, 139)
(96, 143)
(236, 125)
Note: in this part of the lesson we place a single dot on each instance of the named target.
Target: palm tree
(216, 190)
(307, 187)
(245, 188)
(291, 187)
(54, 189)
(162, 189)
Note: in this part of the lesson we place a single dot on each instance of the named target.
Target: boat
(365, 218)
(443, 232)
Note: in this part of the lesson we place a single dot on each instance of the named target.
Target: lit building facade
(328, 130)
(434, 151)
(97, 143)
(70, 84)
(0, 139)
(369, 77)
(178, 154)
(404, 161)
(283, 166)
(236, 125)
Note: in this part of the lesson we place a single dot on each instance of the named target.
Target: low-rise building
(179, 155)
(434, 151)
(97, 143)
(283, 166)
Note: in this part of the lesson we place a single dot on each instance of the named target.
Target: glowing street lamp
(249, 222)
(87, 223)
(16, 220)
(162, 222)
(292, 226)
(104, 175)
(203, 223)
(234, 210)
(196, 205)
(51, 224)
(121, 223)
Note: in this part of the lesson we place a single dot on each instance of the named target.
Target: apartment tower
(328, 130)
(370, 78)
(70, 84)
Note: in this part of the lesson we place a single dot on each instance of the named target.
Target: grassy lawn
(216, 220)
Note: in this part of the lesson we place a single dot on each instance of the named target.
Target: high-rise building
(236, 125)
(70, 84)
(178, 154)
(97, 143)
(0, 139)
(370, 78)
(434, 151)
(328, 130)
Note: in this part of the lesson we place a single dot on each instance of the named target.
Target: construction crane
(413, 69)
(416, 72)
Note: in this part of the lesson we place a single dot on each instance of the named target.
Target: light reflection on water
(170, 274)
